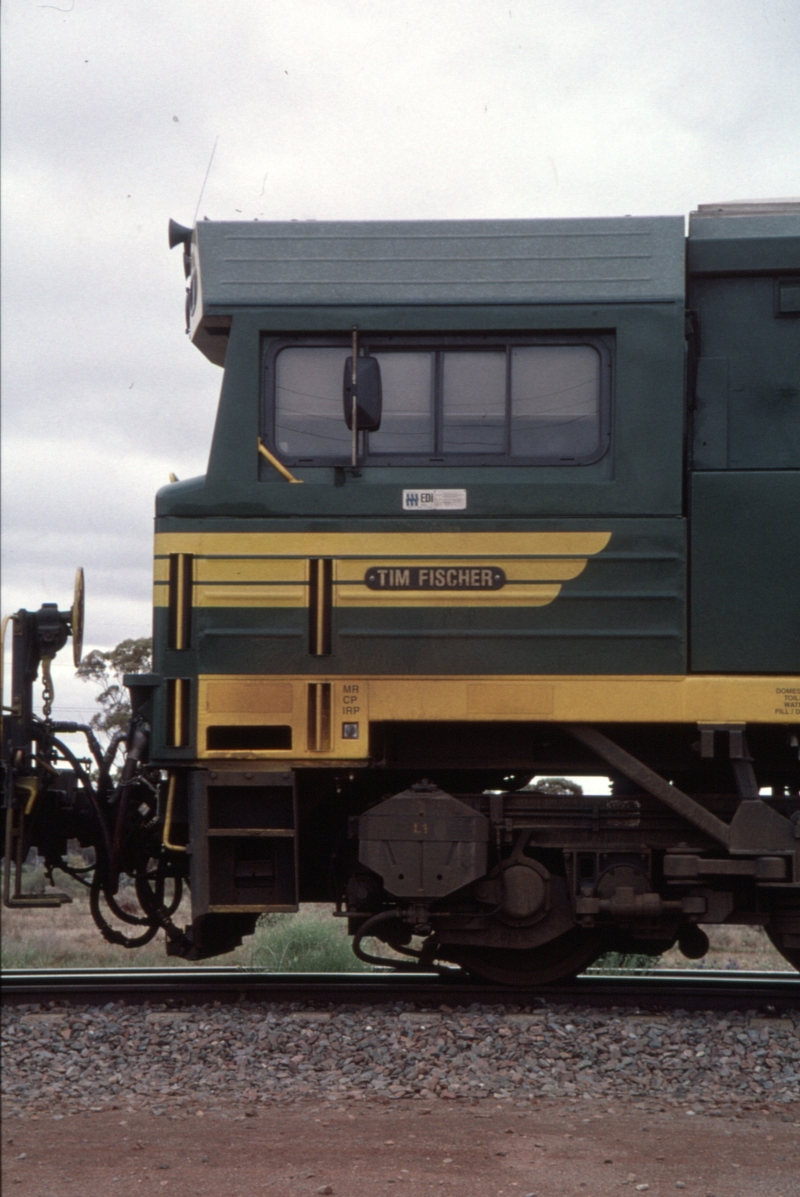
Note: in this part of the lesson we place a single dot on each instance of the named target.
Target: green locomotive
(486, 501)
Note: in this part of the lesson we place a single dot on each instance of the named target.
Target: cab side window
(474, 402)
(408, 418)
(555, 401)
(521, 403)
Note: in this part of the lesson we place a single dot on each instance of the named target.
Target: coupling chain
(48, 692)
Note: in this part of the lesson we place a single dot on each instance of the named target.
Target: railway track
(655, 988)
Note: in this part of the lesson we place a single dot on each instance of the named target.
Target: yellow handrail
(173, 781)
(278, 465)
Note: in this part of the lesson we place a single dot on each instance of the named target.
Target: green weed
(620, 962)
(303, 943)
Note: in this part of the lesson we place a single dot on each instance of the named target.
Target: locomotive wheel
(790, 954)
(563, 957)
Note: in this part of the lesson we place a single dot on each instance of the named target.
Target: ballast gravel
(156, 1058)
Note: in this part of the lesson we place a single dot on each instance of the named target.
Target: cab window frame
(369, 342)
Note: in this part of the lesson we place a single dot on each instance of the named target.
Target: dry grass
(66, 937)
(732, 948)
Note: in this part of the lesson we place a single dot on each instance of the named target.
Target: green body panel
(744, 514)
(745, 572)
(744, 241)
(747, 413)
(744, 255)
(625, 613)
(641, 475)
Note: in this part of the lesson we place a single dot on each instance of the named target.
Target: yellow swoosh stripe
(383, 544)
(254, 569)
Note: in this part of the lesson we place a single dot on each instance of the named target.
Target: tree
(107, 669)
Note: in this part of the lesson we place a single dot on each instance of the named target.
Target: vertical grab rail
(354, 408)
(320, 603)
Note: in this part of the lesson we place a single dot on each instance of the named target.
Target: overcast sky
(326, 109)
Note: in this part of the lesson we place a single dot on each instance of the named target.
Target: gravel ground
(159, 1060)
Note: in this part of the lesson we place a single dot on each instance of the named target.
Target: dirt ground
(557, 1149)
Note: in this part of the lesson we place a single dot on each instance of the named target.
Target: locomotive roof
(325, 263)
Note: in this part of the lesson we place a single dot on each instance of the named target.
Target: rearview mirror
(369, 399)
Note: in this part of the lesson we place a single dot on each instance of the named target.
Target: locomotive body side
(477, 590)
(490, 506)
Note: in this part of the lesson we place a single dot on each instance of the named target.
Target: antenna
(205, 180)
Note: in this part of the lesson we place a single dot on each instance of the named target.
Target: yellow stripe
(250, 596)
(292, 596)
(248, 700)
(243, 695)
(257, 701)
(351, 591)
(509, 596)
(289, 574)
(161, 582)
(585, 699)
(383, 544)
(258, 569)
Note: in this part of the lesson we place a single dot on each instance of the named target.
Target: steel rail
(667, 988)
